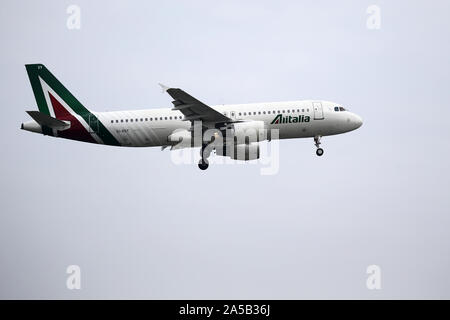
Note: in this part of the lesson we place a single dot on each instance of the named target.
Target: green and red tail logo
(55, 100)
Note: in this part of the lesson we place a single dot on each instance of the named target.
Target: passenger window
(268, 112)
(264, 112)
(303, 110)
(240, 114)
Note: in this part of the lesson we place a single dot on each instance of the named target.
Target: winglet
(163, 87)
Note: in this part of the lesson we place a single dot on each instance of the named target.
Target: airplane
(233, 130)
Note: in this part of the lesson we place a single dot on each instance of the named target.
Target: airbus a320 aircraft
(230, 130)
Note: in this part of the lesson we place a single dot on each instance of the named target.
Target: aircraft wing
(192, 108)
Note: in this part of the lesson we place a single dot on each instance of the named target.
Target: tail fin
(48, 90)
(54, 100)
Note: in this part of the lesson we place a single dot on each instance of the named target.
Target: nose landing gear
(319, 152)
(317, 142)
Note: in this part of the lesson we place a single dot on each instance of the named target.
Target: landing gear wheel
(319, 152)
(203, 164)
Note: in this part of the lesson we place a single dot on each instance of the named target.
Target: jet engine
(245, 152)
(247, 132)
(180, 139)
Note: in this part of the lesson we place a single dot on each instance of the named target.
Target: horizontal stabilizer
(47, 121)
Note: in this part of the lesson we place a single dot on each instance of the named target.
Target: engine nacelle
(248, 132)
(180, 139)
(245, 152)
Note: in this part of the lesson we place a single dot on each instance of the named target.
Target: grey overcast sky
(140, 226)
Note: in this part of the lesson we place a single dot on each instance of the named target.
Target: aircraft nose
(357, 120)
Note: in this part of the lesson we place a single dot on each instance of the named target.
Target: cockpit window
(336, 108)
(341, 109)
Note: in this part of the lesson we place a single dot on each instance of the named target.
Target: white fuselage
(151, 127)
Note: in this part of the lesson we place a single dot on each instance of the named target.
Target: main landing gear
(203, 164)
(205, 152)
(319, 150)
